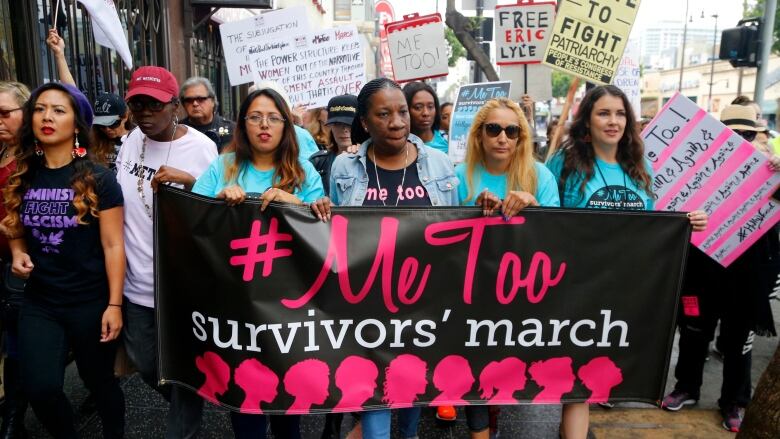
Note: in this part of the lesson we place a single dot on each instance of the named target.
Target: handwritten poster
(627, 77)
(589, 38)
(418, 49)
(241, 39)
(531, 79)
(314, 67)
(698, 163)
(469, 100)
(522, 32)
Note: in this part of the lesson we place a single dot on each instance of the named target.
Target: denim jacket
(349, 177)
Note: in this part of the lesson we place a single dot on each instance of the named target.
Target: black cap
(109, 108)
(342, 109)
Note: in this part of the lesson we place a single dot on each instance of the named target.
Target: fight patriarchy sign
(277, 312)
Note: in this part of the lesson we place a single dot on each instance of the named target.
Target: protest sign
(522, 32)
(385, 14)
(701, 164)
(530, 79)
(589, 38)
(627, 77)
(314, 67)
(468, 101)
(278, 312)
(240, 39)
(418, 49)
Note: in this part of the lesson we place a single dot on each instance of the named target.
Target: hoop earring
(38, 149)
(78, 151)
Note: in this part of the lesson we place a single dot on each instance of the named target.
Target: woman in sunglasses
(500, 173)
(111, 125)
(601, 165)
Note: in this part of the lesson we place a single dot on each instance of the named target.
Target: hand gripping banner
(276, 312)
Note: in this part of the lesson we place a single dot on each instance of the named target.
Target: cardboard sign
(531, 79)
(701, 164)
(589, 38)
(314, 67)
(386, 14)
(241, 39)
(522, 32)
(627, 77)
(469, 100)
(418, 49)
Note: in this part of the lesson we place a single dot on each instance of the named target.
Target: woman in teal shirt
(424, 115)
(263, 160)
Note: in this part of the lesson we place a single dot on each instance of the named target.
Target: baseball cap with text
(153, 81)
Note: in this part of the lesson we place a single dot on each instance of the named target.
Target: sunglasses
(153, 105)
(114, 125)
(192, 99)
(747, 135)
(494, 129)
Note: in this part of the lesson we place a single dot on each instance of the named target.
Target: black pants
(719, 294)
(46, 333)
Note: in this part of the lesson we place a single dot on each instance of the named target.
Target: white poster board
(241, 39)
(521, 32)
(315, 66)
(531, 79)
(627, 77)
(418, 49)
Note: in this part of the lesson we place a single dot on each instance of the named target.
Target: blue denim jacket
(349, 178)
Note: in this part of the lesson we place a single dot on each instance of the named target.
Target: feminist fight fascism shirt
(69, 265)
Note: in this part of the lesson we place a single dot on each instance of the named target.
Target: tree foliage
(757, 10)
(560, 83)
(456, 49)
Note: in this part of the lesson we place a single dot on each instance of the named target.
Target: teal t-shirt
(546, 188)
(609, 188)
(439, 142)
(254, 181)
(306, 143)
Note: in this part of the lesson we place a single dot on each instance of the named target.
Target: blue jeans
(376, 423)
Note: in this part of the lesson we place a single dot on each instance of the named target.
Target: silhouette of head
(453, 377)
(555, 376)
(258, 382)
(356, 377)
(405, 380)
(499, 380)
(217, 374)
(308, 382)
(600, 375)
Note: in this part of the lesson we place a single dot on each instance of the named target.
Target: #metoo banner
(277, 312)
(700, 164)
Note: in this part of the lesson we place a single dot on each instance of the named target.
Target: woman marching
(64, 218)
(391, 168)
(263, 162)
(424, 115)
(601, 165)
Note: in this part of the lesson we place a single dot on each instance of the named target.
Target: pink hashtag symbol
(252, 245)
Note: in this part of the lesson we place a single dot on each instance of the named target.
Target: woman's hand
(278, 195)
(488, 201)
(167, 174)
(55, 43)
(321, 209)
(22, 265)
(515, 201)
(232, 195)
(353, 149)
(774, 163)
(698, 220)
(111, 325)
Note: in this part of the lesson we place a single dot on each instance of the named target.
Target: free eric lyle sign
(260, 4)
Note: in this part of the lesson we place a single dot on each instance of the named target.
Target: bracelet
(114, 304)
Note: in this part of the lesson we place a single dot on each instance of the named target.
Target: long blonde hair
(521, 173)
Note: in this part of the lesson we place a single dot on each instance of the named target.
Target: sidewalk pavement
(146, 412)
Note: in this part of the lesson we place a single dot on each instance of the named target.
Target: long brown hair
(521, 173)
(28, 164)
(102, 145)
(579, 156)
(288, 172)
(318, 130)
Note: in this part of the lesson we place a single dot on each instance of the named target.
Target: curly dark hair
(579, 156)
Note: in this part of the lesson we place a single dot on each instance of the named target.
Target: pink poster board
(698, 163)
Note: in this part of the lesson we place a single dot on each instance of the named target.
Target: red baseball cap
(153, 81)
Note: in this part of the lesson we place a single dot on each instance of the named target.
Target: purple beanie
(85, 108)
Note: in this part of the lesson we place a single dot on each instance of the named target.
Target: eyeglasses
(494, 129)
(747, 135)
(153, 105)
(272, 120)
(5, 114)
(192, 99)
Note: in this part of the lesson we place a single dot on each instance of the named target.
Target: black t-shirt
(389, 190)
(112, 155)
(69, 265)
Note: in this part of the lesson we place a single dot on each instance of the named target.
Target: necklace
(403, 177)
(142, 172)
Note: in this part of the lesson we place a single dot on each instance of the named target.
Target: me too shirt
(68, 259)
